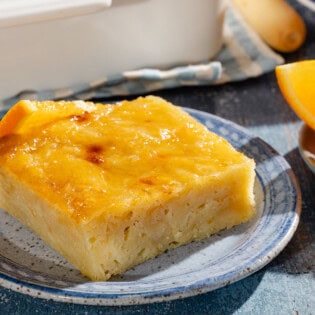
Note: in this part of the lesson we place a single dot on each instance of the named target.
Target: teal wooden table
(287, 284)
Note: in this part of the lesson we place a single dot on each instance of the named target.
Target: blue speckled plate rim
(201, 286)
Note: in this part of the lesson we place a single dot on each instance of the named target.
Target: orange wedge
(29, 115)
(297, 84)
(14, 116)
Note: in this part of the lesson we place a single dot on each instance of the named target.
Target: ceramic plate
(29, 266)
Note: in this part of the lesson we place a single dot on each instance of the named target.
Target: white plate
(29, 266)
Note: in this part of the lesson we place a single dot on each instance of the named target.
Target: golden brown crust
(133, 179)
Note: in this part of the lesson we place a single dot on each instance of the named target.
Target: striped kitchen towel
(243, 55)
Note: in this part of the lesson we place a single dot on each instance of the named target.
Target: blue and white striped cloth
(243, 55)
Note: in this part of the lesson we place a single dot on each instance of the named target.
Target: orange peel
(297, 84)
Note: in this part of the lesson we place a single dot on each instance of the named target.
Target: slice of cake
(110, 186)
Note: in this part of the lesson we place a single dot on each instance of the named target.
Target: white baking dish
(50, 44)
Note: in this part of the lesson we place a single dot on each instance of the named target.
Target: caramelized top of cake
(91, 158)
